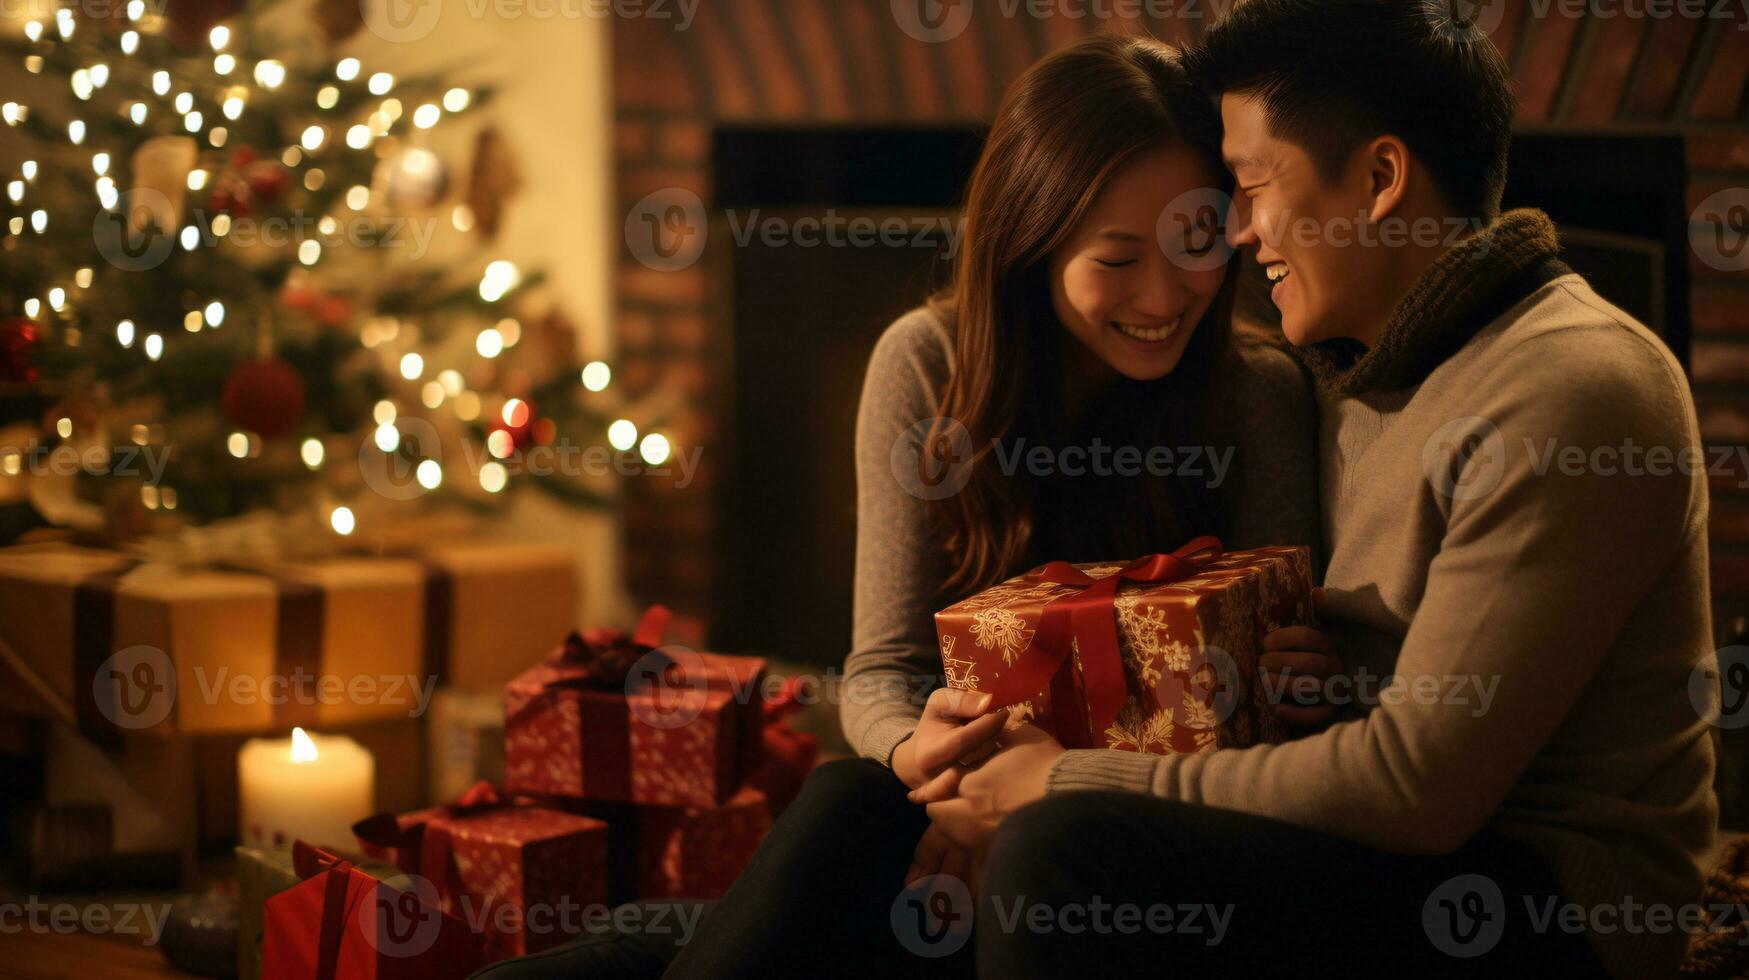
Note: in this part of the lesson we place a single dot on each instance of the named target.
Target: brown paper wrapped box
(1156, 655)
(495, 609)
(98, 639)
(148, 786)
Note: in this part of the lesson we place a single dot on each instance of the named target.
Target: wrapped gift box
(340, 923)
(698, 852)
(592, 723)
(262, 874)
(148, 785)
(520, 873)
(1157, 655)
(96, 638)
(464, 744)
(493, 610)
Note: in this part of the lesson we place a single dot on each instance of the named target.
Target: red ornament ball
(267, 180)
(18, 341)
(264, 397)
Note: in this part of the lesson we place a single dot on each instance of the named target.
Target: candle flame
(302, 749)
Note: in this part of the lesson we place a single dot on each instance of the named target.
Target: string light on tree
(266, 139)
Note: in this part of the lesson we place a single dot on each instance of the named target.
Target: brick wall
(835, 61)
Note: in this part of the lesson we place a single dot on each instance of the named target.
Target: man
(1487, 533)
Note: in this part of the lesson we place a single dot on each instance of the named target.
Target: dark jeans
(1123, 883)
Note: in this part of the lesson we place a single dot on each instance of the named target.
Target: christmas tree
(215, 297)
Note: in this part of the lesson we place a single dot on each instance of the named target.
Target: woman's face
(1135, 277)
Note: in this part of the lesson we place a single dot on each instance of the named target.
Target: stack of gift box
(141, 676)
(631, 771)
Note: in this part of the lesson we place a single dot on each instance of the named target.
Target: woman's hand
(1013, 776)
(937, 854)
(1297, 663)
(957, 728)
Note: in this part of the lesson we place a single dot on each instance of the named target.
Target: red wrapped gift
(613, 718)
(341, 924)
(1157, 655)
(789, 755)
(517, 873)
(698, 852)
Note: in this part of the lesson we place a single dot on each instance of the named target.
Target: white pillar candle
(308, 787)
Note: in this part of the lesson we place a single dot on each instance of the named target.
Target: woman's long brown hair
(1066, 126)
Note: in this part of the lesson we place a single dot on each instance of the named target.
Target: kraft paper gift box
(148, 785)
(1155, 655)
(340, 923)
(487, 851)
(590, 723)
(464, 744)
(494, 609)
(262, 874)
(112, 644)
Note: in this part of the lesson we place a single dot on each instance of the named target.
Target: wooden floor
(80, 956)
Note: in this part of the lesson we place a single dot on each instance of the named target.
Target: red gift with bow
(618, 718)
(341, 924)
(1158, 654)
(520, 874)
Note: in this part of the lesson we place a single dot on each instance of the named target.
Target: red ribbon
(1088, 617)
(309, 861)
(605, 656)
(424, 848)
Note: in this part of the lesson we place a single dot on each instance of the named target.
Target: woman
(1090, 314)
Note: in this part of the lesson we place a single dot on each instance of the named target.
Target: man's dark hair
(1333, 74)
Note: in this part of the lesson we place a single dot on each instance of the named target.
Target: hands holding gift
(1297, 662)
(971, 773)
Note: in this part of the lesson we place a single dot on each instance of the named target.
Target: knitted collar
(1467, 288)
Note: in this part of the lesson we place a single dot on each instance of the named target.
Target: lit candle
(305, 787)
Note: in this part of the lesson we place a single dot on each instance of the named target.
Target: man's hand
(1013, 776)
(957, 729)
(1296, 663)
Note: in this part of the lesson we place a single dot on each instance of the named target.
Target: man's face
(1305, 230)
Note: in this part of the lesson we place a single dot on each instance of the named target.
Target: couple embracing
(1555, 833)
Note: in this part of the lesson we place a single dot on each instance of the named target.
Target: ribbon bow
(422, 847)
(603, 656)
(1087, 618)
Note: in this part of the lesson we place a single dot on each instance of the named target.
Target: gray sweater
(895, 661)
(1487, 530)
